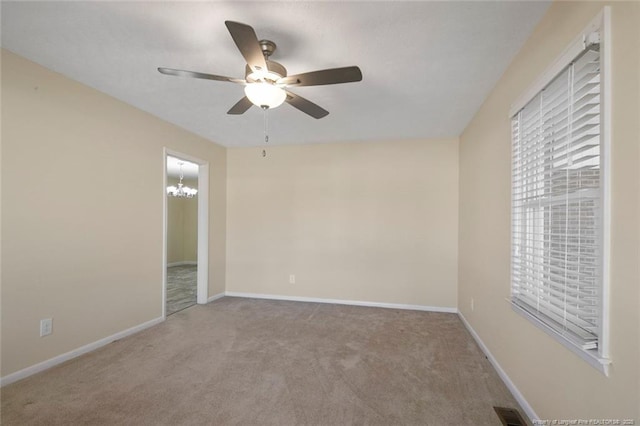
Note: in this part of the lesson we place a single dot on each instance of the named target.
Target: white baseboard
(182, 263)
(343, 302)
(528, 410)
(215, 297)
(26, 372)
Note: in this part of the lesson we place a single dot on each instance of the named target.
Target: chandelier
(181, 191)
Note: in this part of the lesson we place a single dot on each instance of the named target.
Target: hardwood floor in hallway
(181, 287)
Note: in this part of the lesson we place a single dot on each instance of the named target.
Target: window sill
(590, 356)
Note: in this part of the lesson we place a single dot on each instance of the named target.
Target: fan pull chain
(266, 130)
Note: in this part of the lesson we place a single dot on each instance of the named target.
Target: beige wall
(190, 230)
(556, 383)
(175, 221)
(90, 258)
(182, 225)
(367, 222)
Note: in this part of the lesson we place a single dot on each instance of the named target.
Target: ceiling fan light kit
(265, 95)
(262, 88)
(266, 81)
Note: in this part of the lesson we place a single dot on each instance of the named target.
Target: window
(558, 201)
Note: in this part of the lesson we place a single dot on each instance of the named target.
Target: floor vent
(510, 416)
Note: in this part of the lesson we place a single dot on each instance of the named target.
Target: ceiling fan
(266, 81)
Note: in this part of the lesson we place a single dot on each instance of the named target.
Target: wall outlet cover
(46, 327)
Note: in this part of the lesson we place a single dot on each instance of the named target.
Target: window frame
(600, 24)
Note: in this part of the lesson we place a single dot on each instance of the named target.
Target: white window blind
(557, 204)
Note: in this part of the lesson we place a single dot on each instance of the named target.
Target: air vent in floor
(510, 416)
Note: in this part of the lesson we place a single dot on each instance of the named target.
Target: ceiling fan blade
(306, 106)
(245, 38)
(193, 74)
(241, 107)
(318, 78)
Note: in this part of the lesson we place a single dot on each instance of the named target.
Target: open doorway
(182, 234)
(185, 261)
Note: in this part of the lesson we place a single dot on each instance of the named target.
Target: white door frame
(203, 227)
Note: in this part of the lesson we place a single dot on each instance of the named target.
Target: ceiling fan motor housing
(275, 70)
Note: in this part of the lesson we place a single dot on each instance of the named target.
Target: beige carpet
(257, 362)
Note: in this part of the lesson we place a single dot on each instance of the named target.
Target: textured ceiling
(427, 66)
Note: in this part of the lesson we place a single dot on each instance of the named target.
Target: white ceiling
(189, 170)
(427, 66)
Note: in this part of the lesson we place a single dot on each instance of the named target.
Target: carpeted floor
(181, 287)
(259, 362)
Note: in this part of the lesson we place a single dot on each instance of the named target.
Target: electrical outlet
(472, 304)
(292, 279)
(46, 327)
